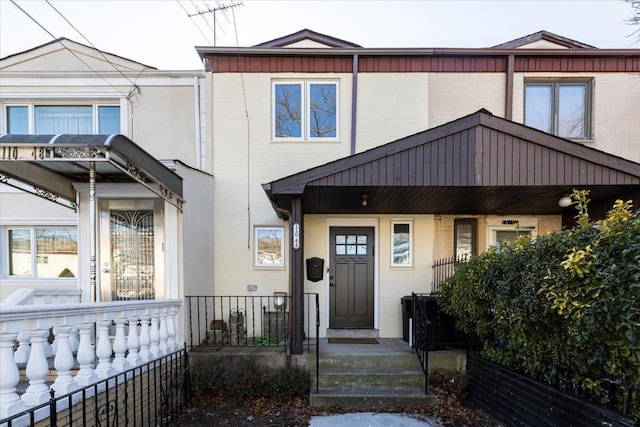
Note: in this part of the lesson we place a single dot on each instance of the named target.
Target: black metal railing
(246, 321)
(443, 269)
(421, 334)
(152, 394)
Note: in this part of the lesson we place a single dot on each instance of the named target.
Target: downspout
(508, 102)
(354, 103)
(196, 108)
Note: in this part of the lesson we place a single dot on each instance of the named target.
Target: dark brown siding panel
(577, 64)
(426, 64)
(279, 64)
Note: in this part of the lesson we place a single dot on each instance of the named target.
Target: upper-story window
(58, 119)
(305, 110)
(562, 107)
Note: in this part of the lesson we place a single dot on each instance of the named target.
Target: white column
(10, 403)
(162, 331)
(155, 338)
(37, 369)
(120, 346)
(46, 347)
(171, 330)
(21, 355)
(103, 351)
(86, 356)
(133, 343)
(145, 339)
(63, 362)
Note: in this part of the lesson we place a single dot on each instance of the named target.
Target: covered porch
(133, 312)
(479, 166)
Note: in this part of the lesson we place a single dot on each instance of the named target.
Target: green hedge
(569, 298)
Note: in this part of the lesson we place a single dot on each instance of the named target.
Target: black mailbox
(315, 269)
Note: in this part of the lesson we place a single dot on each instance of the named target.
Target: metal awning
(48, 165)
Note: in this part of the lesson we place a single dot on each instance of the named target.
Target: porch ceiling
(48, 165)
(478, 164)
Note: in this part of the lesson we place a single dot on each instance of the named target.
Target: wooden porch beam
(297, 275)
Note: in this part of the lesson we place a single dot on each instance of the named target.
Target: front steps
(385, 375)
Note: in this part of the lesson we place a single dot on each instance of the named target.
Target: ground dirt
(220, 410)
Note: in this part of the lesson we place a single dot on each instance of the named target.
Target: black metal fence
(517, 400)
(152, 394)
(443, 269)
(433, 329)
(245, 321)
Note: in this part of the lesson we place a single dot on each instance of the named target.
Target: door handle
(331, 283)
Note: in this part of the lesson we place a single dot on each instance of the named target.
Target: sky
(160, 33)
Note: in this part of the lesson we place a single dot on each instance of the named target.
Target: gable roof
(307, 34)
(543, 35)
(64, 43)
(478, 164)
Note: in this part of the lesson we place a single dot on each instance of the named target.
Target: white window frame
(305, 89)
(283, 244)
(5, 261)
(62, 103)
(511, 223)
(408, 222)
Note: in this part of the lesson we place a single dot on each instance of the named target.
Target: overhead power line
(135, 86)
(67, 48)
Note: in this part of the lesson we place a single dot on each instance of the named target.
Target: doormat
(353, 341)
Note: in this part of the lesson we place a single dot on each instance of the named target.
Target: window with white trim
(37, 119)
(40, 252)
(402, 243)
(305, 110)
(562, 108)
(508, 229)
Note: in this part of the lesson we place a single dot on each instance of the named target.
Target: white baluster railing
(29, 326)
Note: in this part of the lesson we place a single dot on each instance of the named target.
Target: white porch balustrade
(29, 326)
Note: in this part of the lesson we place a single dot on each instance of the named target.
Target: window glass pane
(464, 236)
(57, 252)
(340, 249)
(362, 249)
(20, 252)
(288, 111)
(351, 249)
(18, 120)
(322, 110)
(108, 120)
(63, 119)
(351, 239)
(510, 235)
(537, 107)
(401, 244)
(571, 111)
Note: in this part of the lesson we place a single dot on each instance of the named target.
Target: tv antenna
(212, 11)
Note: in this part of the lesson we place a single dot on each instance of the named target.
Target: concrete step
(399, 361)
(371, 398)
(352, 333)
(369, 379)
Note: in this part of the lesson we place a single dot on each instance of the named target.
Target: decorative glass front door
(129, 263)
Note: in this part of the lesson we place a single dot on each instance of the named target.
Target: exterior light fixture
(365, 196)
(565, 202)
(280, 300)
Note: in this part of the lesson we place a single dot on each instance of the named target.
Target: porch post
(92, 232)
(297, 276)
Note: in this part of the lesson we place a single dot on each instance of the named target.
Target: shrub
(243, 378)
(570, 298)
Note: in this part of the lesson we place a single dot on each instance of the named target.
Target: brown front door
(351, 277)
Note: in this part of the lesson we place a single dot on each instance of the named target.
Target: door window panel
(132, 254)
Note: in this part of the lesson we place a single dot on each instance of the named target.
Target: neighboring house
(380, 161)
(149, 245)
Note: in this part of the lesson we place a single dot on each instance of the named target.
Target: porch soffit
(479, 163)
(48, 165)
